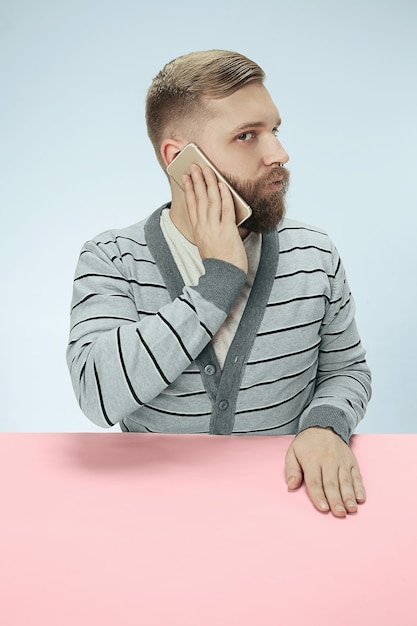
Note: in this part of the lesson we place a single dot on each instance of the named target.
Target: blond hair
(178, 93)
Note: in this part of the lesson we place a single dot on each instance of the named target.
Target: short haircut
(178, 94)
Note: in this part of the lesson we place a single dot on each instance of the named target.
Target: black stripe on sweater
(104, 243)
(132, 391)
(278, 380)
(125, 280)
(305, 248)
(341, 369)
(174, 332)
(100, 395)
(355, 345)
(155, 362)
(284, 356)
(345, 376)
(90, 295)
(276, 404)
(291, 274)
(311, 230)
(192, 307)
(264, 430)
(301, 298)
(173, 413)
(103, 317)
(113, 258)
(288, 328)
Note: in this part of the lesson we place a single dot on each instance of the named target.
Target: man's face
(240, 137)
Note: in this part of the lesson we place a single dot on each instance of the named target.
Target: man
(185, 323)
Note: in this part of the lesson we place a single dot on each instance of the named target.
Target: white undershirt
(191, 267)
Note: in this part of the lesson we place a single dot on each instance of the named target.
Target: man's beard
(267, 210)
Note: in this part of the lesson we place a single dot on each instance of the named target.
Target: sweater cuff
(221, 284)
(327, 416)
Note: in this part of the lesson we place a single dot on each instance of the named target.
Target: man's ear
(170, 148)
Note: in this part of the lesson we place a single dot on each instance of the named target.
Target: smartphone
(192, 154)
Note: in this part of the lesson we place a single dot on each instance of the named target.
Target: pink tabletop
(199, 530)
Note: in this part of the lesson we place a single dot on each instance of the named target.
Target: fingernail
(351, 504)
(340, 508)
(291, 481)
(324, 506)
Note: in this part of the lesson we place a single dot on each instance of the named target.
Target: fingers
(358, 485)
(190, 199)
(202, 195)
(228, 205)
(293, 471)
(212, 217)
(335, 489)
(329, 469)
(207, 198)
(347, 492)
(197, 195)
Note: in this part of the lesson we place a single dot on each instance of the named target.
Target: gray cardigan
(140, 350)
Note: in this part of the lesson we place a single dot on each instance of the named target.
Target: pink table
(199, 530)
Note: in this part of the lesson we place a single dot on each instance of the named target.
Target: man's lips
(277, 178)
(276, 184)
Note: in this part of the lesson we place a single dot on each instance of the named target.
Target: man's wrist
(327, 416)
(221, 284)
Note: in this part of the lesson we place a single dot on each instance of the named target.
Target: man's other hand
(329, 469)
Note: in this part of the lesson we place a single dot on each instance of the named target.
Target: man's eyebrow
(249, 125)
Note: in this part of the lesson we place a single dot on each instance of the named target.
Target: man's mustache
(278, 174)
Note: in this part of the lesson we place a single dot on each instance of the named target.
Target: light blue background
(75, 160)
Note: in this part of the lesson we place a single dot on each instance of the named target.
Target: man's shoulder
(297, 233)
(135, 234)
(129, 237)
(297, 227)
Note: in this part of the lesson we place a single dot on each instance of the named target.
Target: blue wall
(75, 160)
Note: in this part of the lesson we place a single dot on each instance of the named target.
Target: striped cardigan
(140, 350)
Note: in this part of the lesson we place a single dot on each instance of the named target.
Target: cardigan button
(210, 369)
(223, 405)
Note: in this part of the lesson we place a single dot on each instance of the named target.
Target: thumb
(293, 470)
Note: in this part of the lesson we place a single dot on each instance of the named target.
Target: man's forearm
(116, 363)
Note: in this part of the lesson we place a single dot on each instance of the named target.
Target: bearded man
(188, 323)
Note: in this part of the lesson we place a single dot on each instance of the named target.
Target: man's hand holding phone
(212, 216)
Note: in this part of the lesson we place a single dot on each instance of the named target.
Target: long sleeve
(343, 381)
(121, 357)
(140, 348)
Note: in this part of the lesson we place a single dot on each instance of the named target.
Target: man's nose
(275, 152)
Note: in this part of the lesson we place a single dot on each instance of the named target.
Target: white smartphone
(192, 154)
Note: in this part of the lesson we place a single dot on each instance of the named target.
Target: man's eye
(245, 136)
